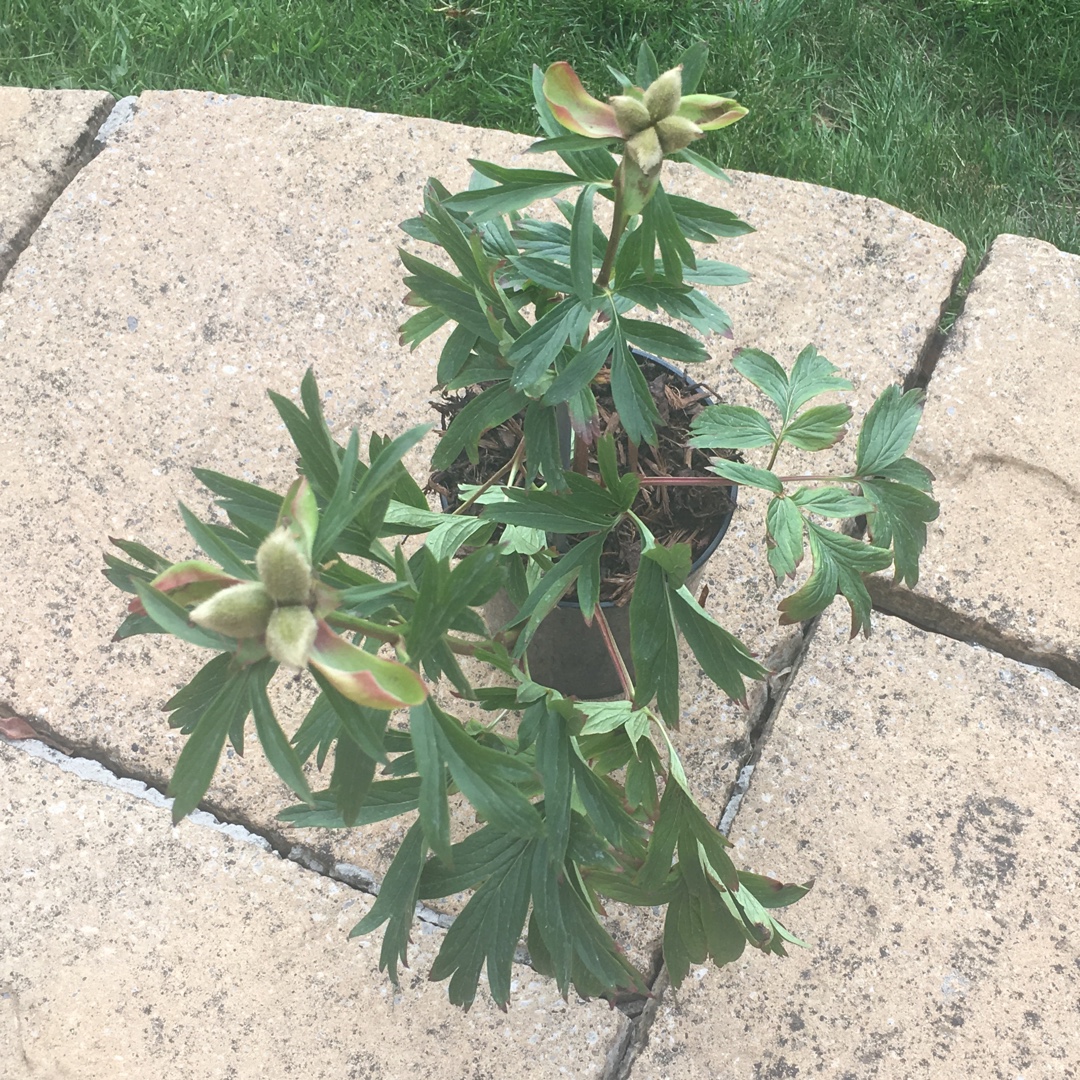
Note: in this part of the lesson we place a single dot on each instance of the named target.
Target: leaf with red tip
(710, 112)
(188, 582)
(300, 514)
(361, 677)
(576, 109)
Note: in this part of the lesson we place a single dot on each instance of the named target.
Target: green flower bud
(630, 114)
(644, 148)
(290, 635)
(663, 97)
(284, 569)
(240, 611)
(676, 132)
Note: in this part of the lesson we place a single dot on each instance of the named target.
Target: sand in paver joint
(217, 247)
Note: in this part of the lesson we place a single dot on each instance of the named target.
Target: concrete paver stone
(930, 787)
(219, 246)
(999, 433)
(45, 136)
(130, 949)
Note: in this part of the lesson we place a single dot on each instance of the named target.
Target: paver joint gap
(82, 152)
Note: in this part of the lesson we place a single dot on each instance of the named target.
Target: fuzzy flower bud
(663, 96)
(631, 114)
(284, 569)
(290, 635)
(240, 611)
(676, 133)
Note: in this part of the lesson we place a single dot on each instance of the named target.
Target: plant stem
(720, 481)
(340, 620)
(515, 460)
(613, 652)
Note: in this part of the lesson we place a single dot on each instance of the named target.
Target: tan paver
(129, 949)
(218, 247)
(1000, 434)
(45, 136)
(930, 787)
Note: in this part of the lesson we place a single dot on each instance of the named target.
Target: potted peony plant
(563, 430)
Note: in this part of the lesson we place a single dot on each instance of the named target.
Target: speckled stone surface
(217, 247)
(1000, 434)
(45, 136)
(930, 788)
(129, 949)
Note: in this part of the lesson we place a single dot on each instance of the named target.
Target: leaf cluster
(887, 488)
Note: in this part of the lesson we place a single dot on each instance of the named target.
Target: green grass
(964, 112)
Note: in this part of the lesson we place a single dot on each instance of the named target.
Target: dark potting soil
(674, 514)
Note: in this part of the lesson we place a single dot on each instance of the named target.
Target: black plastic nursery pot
(570, 655)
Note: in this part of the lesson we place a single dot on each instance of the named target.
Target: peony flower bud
(284, 569)
(631, 114)
(240, 611)
(644, 148)
(676, 133)
(290, 634)
(663, 96)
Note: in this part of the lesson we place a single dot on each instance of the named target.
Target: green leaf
(704, 223)
(771, 893)
(364, 726)
(351, 779)
(604, 806)
(396, 903)
(276, 746)
(817, 428)
(318, 455)
(710, 168)
(722, 656)
(731, 427)
(582, 369)
(484, 776)
(648, 70)
(888, 430)
(569, 142)
(839, 565)
(553, 763)
(675, 251)
(142, 554)
(483, 853)
(766, 374)
(784, 525)
(712, 272)
(831, 502)
(812, 375)
(486, 931)
(664, 341)
(485, 411)
(675, 560)
(654, 643)
(747, 474)
(173, 619)
(216, 548)
(188, 704)
(533, 353)
(199, 758)
(514, 190)
(693, 64)
(630, 392)
(434, 807)
(665, 836)
(385, 799)
(907, 471)
(899, 520)
(581, 245)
